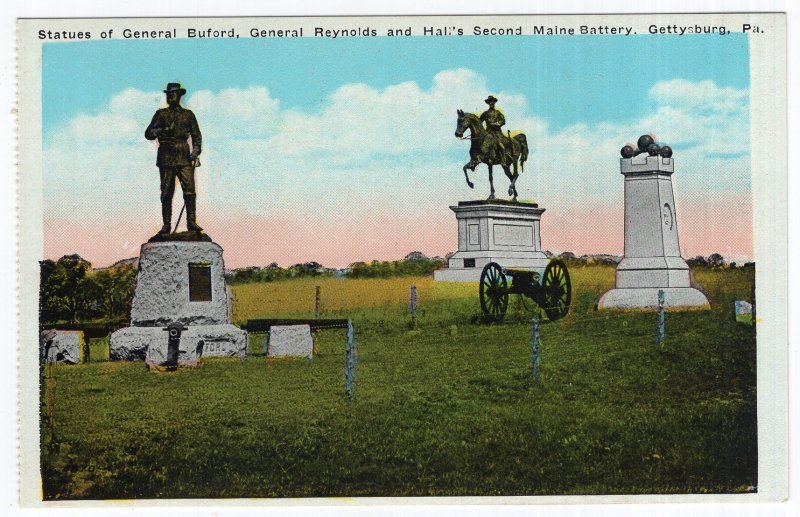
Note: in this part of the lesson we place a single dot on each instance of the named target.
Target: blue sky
(338, 132)
(566, 79)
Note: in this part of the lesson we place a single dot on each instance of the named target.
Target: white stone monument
(652, 260)
(290, 341)
(179, 282)
(506, 232)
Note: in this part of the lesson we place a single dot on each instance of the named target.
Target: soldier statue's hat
(175, 87)
(490, 99)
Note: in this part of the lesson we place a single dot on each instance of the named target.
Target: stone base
(647, 298)
(186, 236)
(166, 291)
(290, 341)
(150, 344)
(652, 272)
(535, 260)
(506, 232)
(61, 346)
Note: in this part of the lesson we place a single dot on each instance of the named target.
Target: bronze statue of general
(172, 127)
(494, 122)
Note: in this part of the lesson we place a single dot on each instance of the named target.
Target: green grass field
(447, 409)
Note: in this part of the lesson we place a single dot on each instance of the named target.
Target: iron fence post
(351, 359)
(661, 318)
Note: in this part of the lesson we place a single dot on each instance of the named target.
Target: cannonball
(644, 142)
(628, 151)
(666, 151)
(653, 149)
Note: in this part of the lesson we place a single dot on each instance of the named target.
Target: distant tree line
(393, 268)
(70, 291)
(413, 265)
(274, 272)
(715, 260)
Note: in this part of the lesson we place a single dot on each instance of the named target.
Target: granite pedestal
(652, 260)
(506, 232)
(179, 282)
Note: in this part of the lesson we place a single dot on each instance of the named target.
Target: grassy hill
(447, 409)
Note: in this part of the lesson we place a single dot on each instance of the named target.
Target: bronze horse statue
(512, 154)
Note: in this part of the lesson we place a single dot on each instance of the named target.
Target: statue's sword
(195, 163)
(179, 217)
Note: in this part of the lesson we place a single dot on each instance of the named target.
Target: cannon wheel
(493, 292)
(557, 290)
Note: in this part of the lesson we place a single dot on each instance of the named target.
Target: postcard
(402, 260)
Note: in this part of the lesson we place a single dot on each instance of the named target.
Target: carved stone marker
(652, 260)
(180, 282)
(499, 231)
(290, 341)
(61, 346)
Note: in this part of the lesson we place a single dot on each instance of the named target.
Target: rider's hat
(175, 87)
(490, 99)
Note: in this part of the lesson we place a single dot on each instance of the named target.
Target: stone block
(647, 298)
(290, 341)
(743, 311)
(495, 231)
(180, 282)
(151, 344)
(61, 346)
(741, 307)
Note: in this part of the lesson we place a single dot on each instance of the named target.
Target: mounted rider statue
(490, 146)
(494, 121)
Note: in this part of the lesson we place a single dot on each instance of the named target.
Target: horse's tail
(523, 150)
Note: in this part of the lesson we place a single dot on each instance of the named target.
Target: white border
(183, 8)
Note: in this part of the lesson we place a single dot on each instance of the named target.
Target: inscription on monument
(513, 235)
(199, 283)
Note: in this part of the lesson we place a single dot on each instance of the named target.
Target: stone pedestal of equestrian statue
(652, 260)
(499, 231)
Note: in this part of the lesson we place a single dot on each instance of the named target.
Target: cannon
(550, 290)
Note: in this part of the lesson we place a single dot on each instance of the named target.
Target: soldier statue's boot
(166, 216)
(191, 215)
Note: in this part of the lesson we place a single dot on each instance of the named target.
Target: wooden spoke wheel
(493, 292)
(557, 290)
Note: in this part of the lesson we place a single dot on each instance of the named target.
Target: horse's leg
(510, 177)
(491, 182)
(512, 190)
(469, 166)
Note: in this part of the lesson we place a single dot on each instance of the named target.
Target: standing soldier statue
(494, 120)
(172, 126)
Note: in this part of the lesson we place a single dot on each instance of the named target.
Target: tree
(697, 261)
(60, 294)
(716, 260)
(111, 290)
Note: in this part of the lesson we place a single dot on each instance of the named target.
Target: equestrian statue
(490, 146)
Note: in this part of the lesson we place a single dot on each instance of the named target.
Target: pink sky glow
(704, 227)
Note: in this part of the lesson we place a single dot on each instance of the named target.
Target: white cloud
(251, 113)
(703, 94)
(715, 120)
(391, 147)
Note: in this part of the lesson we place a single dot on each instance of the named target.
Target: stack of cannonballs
(646, 144)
